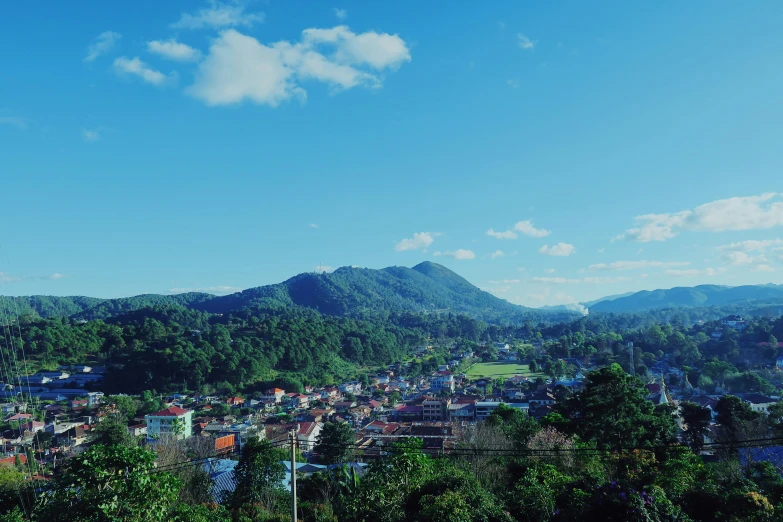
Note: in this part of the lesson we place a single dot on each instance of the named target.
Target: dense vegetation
(350, 292)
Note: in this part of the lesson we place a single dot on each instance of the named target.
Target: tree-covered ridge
(697, 296)
(348, 291)
(174, 347)
(352, 291)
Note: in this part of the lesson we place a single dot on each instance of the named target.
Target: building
(307, 434)
(484, 409)
(734, 321)
(758, 402)
(275, 394)
(173, 421)
(442, 381)
(435, 410)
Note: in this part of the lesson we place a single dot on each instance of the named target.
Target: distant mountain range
(697, 296)
(427, 287)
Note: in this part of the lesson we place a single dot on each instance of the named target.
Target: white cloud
(600, 250)
(341, 14)
(218, 290)
(555, 280)
(742, 258)
(55, 276)
(550, 270)
(738, 213)
(525, 42)
(737, 253)
(324, 269)
(15, 121)
(508, 234)
(526, 227)
(604, 280)
(459, 254)
(419, 241)
(239, 67)
(763, 268)
(751, 245)
(174, 50)
(314, 225)
(560, 249)
(91, 135)
(505, 282)
(521, 268)
(778, 253)
(134, 66)
(497, 253)
(514, 84)
(693, 272)
(102, 44)
(633, 265)
(219, 15)
(6, 278)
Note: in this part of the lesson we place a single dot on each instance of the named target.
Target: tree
(515, 423)
(114, 433)
(110, 483)
(696, 418)
(258, 476)
(614, 411)
(335, 442)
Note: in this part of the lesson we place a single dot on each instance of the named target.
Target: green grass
(501, 369)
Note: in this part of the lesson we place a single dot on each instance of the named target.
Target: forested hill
(357, 291)
(697, 296)
(345, 292)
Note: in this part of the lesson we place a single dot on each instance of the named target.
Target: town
(58, 419)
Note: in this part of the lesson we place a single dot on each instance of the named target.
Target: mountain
(697, 296)
(354, 291)
(347, 291)
(607, 298)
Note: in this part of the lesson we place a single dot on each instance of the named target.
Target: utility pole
(293, 475)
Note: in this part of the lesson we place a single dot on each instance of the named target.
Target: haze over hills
(697, 296)
(347, 291)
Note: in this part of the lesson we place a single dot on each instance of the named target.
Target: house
(137, 430)
(734, 321)
(442, 381)
(409, 413)
(350, 387)
(344, 406)
(541, 398)
(274, 394)
(235, 401)
(307, 434)
(458, 412)
(301, 400)
(19, 417)
(779, 363)
(172, 421)
(485, 408)
(758, 402)
(435, 410)
(31, 427)
(54, 375)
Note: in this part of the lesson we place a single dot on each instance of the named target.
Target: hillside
(697, 296)
(345, 292)
(355, 291)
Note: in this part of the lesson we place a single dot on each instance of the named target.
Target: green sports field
(501, 369)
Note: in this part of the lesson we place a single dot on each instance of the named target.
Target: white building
(173, 421)
(442, 381)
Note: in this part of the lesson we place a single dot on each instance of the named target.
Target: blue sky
(170, 146)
